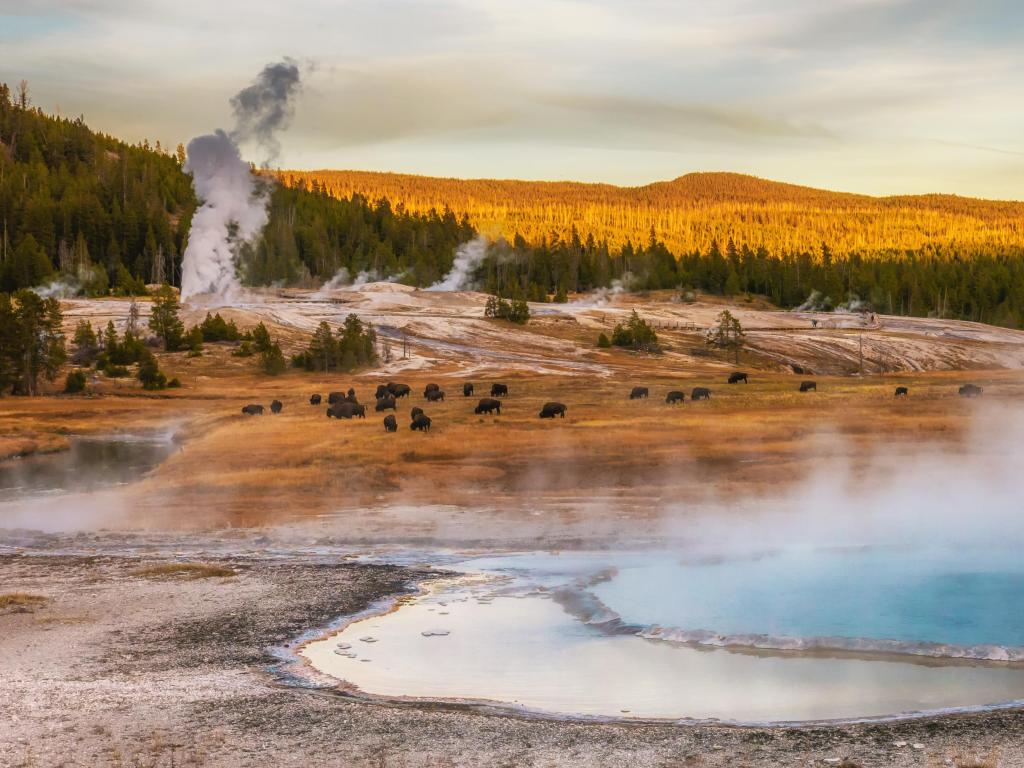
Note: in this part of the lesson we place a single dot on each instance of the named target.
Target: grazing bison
(421, 423)
(252, 409)
(638, 393)
(382, 392)
(350, 396)
(488, 404)
(399, 390)
(737, 377)
(807, 386)
(435, 395)
(430, 388)
(346, 410)
(970, 390)
(314, 399)
(499, 390)
(276, 406)
(335, 397)
(550, 410)
(901, 392)
(415, 412)
(700, 393)
(675, 396)
(385, 404)
(467, 390)
(390, 423)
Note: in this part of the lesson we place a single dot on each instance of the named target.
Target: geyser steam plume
(468, 258)
(233, 208)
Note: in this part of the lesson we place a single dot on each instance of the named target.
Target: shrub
(116, 371)
(636, 334)
(174, 383)
(75, 382)
(150, 375)
(244, 350)
(216, 328)
(603, 341)
(272, 360)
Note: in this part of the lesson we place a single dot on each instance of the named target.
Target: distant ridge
(688, 212)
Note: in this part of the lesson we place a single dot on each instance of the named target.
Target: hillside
(688, 213)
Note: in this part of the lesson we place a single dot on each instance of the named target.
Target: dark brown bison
(638, 393)
(970, 390)
(675, 396)
(807, 386)
(390, 423)
(421, 423)
(435, 395)
(382, 392)
(276, 406)
(430, 388)
(399, 390)
(346, 410)
(700, 393)
(901, 392)
(335, 397)
(467, 390)
(350, 396)
(488, 404)
(385, 404)
(550, 410)
(314, 399)
(737, 377)
(252, 409)
(499, 390)
(415, 412)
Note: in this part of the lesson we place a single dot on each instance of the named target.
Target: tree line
(109, 217)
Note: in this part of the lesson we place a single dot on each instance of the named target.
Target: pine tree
(164, 320)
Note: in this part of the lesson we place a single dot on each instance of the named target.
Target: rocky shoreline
(126, 664)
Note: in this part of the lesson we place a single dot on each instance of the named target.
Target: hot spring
(795, 634)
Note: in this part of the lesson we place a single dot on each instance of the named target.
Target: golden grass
(21, 600)
(186, 570)
(990, 760)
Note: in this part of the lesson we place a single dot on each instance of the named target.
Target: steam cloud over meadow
(233, 208)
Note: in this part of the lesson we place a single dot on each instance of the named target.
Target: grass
(185, 570)
(21, 601)
(990, 760)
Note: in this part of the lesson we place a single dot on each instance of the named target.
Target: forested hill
(692, 211)
(109, 216)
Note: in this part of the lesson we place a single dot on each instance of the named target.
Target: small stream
(90, 464)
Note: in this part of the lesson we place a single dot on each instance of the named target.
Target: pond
(791, 635)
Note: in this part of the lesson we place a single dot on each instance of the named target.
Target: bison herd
(345, 405)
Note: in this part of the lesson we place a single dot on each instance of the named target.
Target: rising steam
(468, 258)
(234, 202)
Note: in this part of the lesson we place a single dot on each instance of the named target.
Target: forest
(102, 216)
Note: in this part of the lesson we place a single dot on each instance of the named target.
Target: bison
(385, 404)
(970, 390)
(488, 404)
(421, 423)
(415, 412)
(430, 388)
(314, 399)
(467, 390)
(252, 409)
(435, 395)
(350, 396)
(807, 386)
(390, 423)
(382, 392)
(335, 397)
(399, 390)
(901, 392)
(737, 377)
(276, 406)
(638, 393)
(499, 390)
(675, 396)
(346, 410)
(700, 393)
(550, 410)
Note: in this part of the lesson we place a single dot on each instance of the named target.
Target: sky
(873, 96)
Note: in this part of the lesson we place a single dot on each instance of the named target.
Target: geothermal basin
(791, 635)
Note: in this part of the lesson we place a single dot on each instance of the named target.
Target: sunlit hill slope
(687, 213)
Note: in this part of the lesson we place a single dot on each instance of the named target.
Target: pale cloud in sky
(880, 96)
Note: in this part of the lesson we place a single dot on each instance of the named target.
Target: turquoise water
(959, 597)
